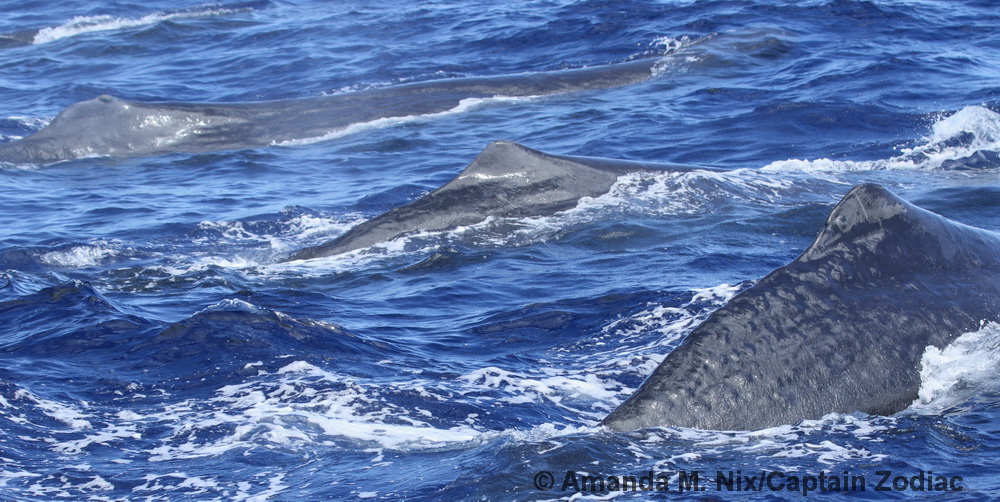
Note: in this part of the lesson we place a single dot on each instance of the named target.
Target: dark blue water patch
(221, 341)
(6, 285)
(848, 130)
(210, 284)
(47, 322)
(753, 246)
(444, 259)
(539, 327)
(823, 118)
(10, 127)
(15, 284)
(965, 204)
(865, 14)
(73, 322)
(615, 237)
(18, 258)
(769, 48)
(598, 26)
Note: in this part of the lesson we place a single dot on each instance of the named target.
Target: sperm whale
(506, 180)
(842, 328)
(109, 126)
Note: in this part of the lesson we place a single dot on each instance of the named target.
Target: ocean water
(153, 346)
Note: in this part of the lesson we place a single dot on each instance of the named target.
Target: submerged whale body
(108, 126)
(17, 39)
(506, 180)
(840, 329)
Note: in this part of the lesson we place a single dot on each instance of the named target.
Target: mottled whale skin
(506, 180)
(108, 126)
(840, 329)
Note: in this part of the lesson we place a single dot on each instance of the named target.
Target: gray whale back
(108, 126)
(840, 329)
(506, 180)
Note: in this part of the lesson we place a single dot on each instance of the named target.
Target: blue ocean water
(154, 348)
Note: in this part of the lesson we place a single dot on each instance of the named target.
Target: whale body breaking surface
(506, 180)
(113, 127)
(842, 328)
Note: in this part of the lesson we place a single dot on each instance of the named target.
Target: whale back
(108, 126)
(506, 180)
(840, 329)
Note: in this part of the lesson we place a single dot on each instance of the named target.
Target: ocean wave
(82, 256)
(966, 139)
(648, 195)
(464, 106)
(966, 367)
(299, 403)
(22, 124)
(88, 24)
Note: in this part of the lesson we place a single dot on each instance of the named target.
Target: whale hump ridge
(506, 180)
(840, 329)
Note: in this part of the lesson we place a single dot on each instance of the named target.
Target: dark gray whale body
(107, 126)
(840, 329)
(506, 180)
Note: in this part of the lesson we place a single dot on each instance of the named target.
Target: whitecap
(463, 106)
(80, 256)
(88, 24)
(951, 375)
(953, 137)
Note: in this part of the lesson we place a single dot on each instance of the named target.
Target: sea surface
(154, 347)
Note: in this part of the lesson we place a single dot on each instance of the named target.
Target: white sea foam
(464, 106)
(965, 367)
(974, 128)
(668, 322)
(87, 24)
(720, 294)
(81, 256)
(70, 414)
(229, 230)
(572, 390)
(647, 193)
(667, 44)
(695, 192)
(278, 237)
(106, 435)
(953, 137)
(635, 347)
(32, 123)
(358, 258)
(300, 404)
(233, 305)
(832, 440)
(673, 57)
